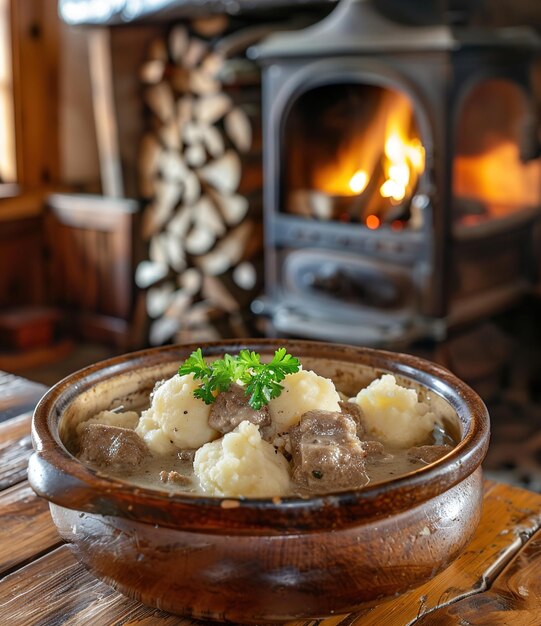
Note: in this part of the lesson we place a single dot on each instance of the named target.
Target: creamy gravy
(396, 463)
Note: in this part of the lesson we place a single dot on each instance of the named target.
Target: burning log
(309, 203)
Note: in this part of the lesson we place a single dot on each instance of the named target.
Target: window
(8, 172)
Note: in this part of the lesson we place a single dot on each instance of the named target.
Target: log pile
(200, 172)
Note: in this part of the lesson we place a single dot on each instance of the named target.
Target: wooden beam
(35, 32)
(101, 76)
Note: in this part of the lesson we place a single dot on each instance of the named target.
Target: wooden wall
(56, 140)
(21, 253)
(79, 164)
(35, 27)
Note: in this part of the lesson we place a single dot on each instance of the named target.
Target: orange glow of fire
(358, 182)
(498, 178)
(373, 222)
(404, 161)
(386, 158)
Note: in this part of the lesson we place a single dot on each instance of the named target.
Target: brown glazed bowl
(260, 560)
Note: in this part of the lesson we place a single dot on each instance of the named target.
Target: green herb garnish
(261, 380)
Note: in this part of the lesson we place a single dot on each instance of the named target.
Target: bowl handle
(66, 490)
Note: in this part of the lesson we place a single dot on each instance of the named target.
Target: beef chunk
(354, 411)
(231, 408)
(428, 454)
(326, 453)
(111, 446)
(375, 450)
(175, 477)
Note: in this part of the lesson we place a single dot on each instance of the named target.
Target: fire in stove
(402, 175)
(495, 172)
(368, 166)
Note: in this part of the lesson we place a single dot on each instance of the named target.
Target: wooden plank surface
(15, 449)
(510, 516)
(55, 586)
(17, 395)
(27, 529)
(513, 599)
(55, 589)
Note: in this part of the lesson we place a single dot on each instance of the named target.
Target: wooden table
(496, 581)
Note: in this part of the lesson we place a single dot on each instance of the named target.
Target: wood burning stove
(402, 190)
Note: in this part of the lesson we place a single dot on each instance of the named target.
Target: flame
(416, 154)
(404, 157)
(400, 174)
(383, 149)
(490, 179)
(392, 189)
(498, 178)
(358, 182)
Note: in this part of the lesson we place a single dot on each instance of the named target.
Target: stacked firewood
(200, 172)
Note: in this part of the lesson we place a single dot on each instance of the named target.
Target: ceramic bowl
(260, 560)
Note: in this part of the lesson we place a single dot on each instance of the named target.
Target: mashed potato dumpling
(303, 391)
(242, 464)
(393, 413)
(176, 419)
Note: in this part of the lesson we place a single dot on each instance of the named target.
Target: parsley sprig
(261, 380)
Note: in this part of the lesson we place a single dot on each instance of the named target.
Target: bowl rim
(60, 477)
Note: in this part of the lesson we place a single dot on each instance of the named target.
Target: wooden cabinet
(21, 252)
(92, 249)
